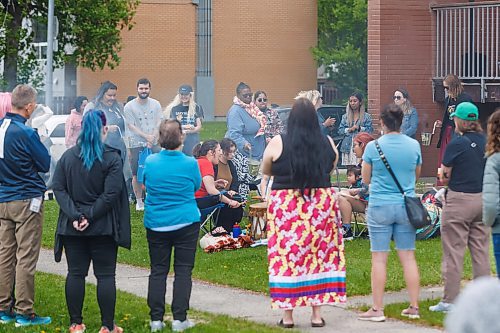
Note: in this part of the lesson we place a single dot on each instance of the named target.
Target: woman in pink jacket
(5, 103)
(74, 121)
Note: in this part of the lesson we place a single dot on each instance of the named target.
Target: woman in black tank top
(305, 247)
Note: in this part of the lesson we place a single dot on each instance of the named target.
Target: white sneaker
(441, 307)
(156, 325)
(139, 206)
(179, 326)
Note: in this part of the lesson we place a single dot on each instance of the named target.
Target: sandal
(322, 324)
(283, 325)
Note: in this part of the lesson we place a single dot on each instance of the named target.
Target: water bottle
(236, 230)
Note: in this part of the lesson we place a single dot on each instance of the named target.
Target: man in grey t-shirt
(143, 115)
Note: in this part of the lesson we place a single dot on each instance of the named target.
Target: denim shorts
(386, 222)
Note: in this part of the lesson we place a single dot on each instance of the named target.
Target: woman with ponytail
(94, 219)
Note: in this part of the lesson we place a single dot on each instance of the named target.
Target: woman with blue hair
(94, 219)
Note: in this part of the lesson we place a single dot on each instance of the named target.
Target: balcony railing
(467, 41)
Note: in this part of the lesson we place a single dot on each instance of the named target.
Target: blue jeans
(496, 251)
(386, 222)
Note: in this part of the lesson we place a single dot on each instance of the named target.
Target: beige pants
(20, 241)
(462, 227)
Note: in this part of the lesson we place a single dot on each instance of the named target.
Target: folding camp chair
(359, 226)
(209, 207)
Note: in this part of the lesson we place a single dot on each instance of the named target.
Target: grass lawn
(247, 268)
(213, 130)
(132, 313)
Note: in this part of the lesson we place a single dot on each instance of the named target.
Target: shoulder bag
(417, 214)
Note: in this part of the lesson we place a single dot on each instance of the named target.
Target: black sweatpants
(102, 251)
(184, 242)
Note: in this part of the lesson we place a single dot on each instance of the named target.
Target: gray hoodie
(491, 193)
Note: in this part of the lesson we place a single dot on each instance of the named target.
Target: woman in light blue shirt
(246, 126)
(410, 119)
(171, 218)
(386, 215)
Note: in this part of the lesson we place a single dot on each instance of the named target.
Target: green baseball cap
(465, 111)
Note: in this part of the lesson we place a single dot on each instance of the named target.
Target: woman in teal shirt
(171, 218)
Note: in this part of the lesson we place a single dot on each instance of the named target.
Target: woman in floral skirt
(305, 247)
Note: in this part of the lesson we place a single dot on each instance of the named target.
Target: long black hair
(306, 144)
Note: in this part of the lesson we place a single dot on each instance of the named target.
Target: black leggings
(102, 251)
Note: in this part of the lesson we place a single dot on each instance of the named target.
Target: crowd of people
(308, 219)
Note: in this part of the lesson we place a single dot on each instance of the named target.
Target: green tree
(342, 43)
(91, 29)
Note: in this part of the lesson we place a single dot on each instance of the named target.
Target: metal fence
(60, 104)
(467, 40)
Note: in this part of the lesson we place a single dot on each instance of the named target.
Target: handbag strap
(384, 160)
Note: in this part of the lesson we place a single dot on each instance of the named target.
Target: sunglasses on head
(397, 97)
(249, 95)
(446, 87)
(262, 100)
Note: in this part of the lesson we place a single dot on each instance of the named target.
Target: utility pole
(50, 55)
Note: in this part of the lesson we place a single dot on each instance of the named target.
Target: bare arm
(336, 153)
(209, 183)
(417, 171)
(366, 173)
(263, 185)
(138, 131)
(445, 174)
(198, 126)
(271, 154)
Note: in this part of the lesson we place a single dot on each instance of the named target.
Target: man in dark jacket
(22, 157)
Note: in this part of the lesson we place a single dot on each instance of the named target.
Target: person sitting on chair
(208, 155)
(226, 170)
(349, 203)
(357, 188)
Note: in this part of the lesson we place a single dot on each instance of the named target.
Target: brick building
(214, 45)
(416, 43)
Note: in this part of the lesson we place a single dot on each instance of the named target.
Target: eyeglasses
(185, 95)
(446, 87)
(262, 100)
(397, 97)
(248, 95)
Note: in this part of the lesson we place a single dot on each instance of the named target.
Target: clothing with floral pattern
(305, 249)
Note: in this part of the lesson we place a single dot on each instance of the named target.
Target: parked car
(56, 133)
(332, 111)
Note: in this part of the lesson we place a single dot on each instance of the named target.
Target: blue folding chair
(209, 207)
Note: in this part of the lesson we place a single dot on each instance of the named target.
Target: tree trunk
(12, 47)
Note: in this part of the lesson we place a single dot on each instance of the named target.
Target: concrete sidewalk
(254, 306)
